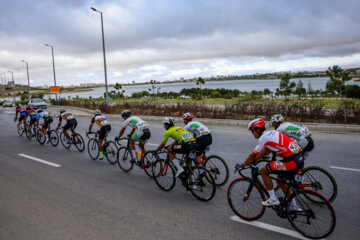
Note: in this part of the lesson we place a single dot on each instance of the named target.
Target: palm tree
(199, 82)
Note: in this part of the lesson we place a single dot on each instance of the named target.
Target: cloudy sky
(170, 39)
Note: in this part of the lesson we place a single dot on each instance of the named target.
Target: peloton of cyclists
(48, 119)
(71, 123)
(104, 126)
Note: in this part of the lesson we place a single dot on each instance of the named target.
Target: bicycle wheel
(218, 169)
(54, 138)
(202, 184)
(110, 152)
(93, 149)
(40, 136)
(28, 132)
(164, 175)
(311, 220)
(123, 159)
(245, 199)
(79, 142)
(149, 158)
(20, 129)
(320, 181)
(63, 140)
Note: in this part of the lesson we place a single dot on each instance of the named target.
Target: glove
(238, 167)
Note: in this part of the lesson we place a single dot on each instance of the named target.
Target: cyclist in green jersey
(184, 142)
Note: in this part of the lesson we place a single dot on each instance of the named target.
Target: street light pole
(103, 41)
(27, 69)
(52, 52)
(12, 77)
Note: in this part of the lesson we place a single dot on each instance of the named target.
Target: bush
(215, 94)
(352, 91)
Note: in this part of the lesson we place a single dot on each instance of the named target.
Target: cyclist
(140, 132)
(200, 132)
(48, 119)
(71, 123)
(32, 116)
(21, 112)
(300, 133)
(284, 147)
(181, 137)
(104, 126)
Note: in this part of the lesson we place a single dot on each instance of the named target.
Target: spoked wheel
(164, 175)
(20, 129)
(93, 149)
(28, 132)
(79, 142)
(202, 184)
(124, 157)
(54, 138)
(63, 140)
(40, 136)
(311, 219)
(149, 158)
(110, 152)
(320, 181)
(245, 199)
(218, 169)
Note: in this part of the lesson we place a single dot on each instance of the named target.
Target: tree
(300, 90)
(286, 87)
(153, 90)
(199, 82)
(338, 78)
(267, 92)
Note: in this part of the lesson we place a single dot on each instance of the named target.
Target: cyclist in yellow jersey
(181, 137)
(104, 126)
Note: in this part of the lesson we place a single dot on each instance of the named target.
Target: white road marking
(152, 144)
(348, 169)
(39, 160)
(269, 227)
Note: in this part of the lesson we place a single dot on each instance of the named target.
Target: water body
(242, 85)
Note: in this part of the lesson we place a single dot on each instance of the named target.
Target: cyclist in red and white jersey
(285, 148)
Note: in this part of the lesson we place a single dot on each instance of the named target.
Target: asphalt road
(86, 199)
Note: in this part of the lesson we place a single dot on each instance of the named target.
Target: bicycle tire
(28, 132)
(320, 181)
(218, 169)
(149, 157)
(40, 136)
(79, 142)
(164, 175)
(93, 149)
(110, 152)
(242, 192)
(203, 188)
(54, 138)
(123, 158)
(63, 140)
(307, 220)
(20, 129)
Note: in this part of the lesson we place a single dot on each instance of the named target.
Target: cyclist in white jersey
(140, 132)
(104, 126)
(48, 119)
(300, 133)
(201, 133)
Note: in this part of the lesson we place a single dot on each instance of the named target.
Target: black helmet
(126, 113)
(39, 111)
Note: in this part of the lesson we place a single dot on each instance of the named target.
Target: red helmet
(188, 116)
(256, 123)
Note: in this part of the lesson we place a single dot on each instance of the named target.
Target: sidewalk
(315, 127)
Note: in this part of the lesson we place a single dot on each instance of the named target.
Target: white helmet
(97, 112)
(169, 121)
(277, 118)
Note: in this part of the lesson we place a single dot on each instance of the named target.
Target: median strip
(348, 169)
(269, 227)
(39, 160)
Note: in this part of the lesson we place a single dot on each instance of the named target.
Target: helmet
(28, 107)
(39, 111)
(62, 110)
(188, 116)
(97, 112)
(169, 121)
(126, 113)
(256, 123)
(277, 118)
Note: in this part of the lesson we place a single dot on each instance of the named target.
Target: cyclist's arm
(161, 146)
(91, 124)
(132, 131)
(122, 132)
(60, 120)
(16, 115)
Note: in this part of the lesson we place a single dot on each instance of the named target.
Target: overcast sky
(170, 39)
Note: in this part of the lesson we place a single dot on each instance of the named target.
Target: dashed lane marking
(348, 169)
(39, 160)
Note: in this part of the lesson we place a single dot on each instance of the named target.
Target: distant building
(133, 82)
(11, 84)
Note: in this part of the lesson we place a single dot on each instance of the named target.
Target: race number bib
(105, 122)
(71, 117)
(185, 137)
(294, 148)
(141, 125)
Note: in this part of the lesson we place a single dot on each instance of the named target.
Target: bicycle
(109, 148)
(52, 134)
(311, 220)
(20, 129)
(196, 179)
(75, 139)
(314, 178)
(125, 158)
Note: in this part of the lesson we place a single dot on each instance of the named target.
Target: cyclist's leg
(201, 144)
(171, 152)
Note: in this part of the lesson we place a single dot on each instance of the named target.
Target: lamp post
(52, 53)
(12, 77)
(103, 41)
(27, 69)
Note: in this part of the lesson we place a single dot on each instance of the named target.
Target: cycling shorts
(310, 146)
(286, 168)
(103, 130)
(70, 124)
(202, 143)
(22, 116)
(32, 120)
(184, 148)
(141, 135)
(47, 121)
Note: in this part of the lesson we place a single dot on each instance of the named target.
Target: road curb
(315, 127)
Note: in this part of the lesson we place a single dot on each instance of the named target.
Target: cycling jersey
(66, 116)
(197, 128)
(30, 112)
(21, 110)
(100, 120)
(178, 134)
(22, 113)
(277, 142)
(135, 122)
(299, 133)
(43, 115)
